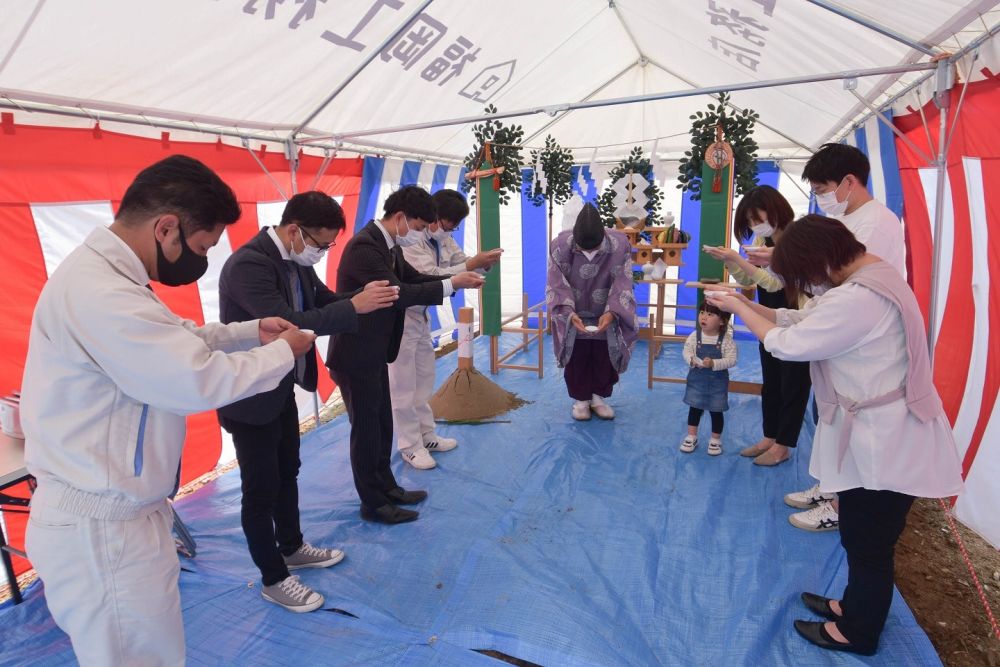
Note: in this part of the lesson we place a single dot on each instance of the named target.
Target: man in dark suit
(359, 361)
(271, 275)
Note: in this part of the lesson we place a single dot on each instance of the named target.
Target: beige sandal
(768, 458)
(754, 451)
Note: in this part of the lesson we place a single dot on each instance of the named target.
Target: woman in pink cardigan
(883, 437)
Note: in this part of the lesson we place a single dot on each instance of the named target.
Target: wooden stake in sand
(467, 394)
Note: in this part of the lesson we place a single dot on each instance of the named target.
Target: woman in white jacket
(883, 437)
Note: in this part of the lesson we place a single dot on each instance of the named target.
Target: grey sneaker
(293, 595)
(310, 556)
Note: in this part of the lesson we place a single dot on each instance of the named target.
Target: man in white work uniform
(411, 376)
(110, 375)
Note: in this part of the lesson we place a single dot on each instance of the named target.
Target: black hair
(413, 201)
(314, 209)
(832, 162)
(451, 206)
(184, 187)
(764, 198)
(715, 310)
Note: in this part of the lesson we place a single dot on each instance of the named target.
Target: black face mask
(185, 270)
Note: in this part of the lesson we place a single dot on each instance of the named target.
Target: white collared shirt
(273, 233)
(449, 289)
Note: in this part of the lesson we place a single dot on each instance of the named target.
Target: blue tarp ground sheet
(553, 541)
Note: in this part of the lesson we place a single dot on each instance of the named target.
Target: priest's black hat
(588, 232)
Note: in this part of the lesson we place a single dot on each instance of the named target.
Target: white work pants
(411, 383)
(111, 585)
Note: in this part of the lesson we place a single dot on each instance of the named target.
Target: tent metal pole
(79, 112)
(327, 156)
(889, 124)
(292, 154)
(941, 98)
(597, 90)
(958, 55)
(260, 163)
(650, 97)
(360, 68)
(734, 107)
(872, 25)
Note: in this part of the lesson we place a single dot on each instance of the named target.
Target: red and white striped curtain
(967, 349)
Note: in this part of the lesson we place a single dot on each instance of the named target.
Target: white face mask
(438, 234)
(309, 256)
(762, 229)
(829, 204)
(411, 237)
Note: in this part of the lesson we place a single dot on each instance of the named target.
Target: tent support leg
(941, 99)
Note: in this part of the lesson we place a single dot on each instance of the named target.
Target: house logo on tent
(489, 82)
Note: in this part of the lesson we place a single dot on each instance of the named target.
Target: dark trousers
(718, 420)
(870, 524)
(589, 370)
(369, 408)
(268, 455)
(784, 397)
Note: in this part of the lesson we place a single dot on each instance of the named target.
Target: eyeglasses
(448, 225)
(322, 246)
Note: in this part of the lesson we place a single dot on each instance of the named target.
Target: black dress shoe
(401, 496)
(815, 633)
(820, 606)
(388, 513)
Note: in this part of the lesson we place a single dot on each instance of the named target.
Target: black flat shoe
(820, 606)
(815, 633)
(388, 513)
(401, 496)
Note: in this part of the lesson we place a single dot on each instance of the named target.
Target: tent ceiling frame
(734, 107)
(587, 97)
(554, 109)
(915, 85)
(357, 70)
(874, 25)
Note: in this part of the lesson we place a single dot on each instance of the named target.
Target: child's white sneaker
(714, 447)
(689, 444)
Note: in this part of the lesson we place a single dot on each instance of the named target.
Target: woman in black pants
(883, 437)
(763, 214)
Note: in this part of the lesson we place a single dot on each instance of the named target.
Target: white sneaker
(817, 520)
(714, 447)
(600, 408)
(436, 443)
(418, 457)
(689, 444)
(581, 411)
(309, 556)
(293, 595)
(808, 498)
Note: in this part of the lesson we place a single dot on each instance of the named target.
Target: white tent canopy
(339, 71)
